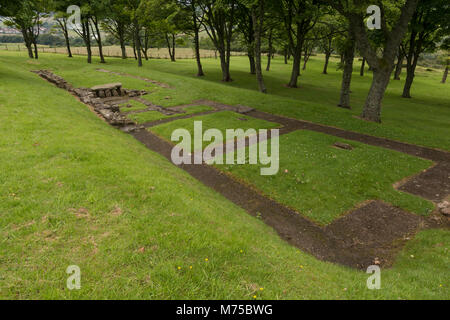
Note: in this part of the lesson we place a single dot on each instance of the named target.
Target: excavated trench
(371, 234)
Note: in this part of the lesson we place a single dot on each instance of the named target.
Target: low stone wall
(103, 99)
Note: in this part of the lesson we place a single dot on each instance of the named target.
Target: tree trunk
(269, 62)
(285, 56)
(36, 55)
(258, 22)
(269, 55)
(327, 60)
(251, 58)
(134, 49)
(195, 22)
(200, 72)
(30, 50)
(226, 77)
(349, 56)
(372, 108)
(66, 37)
(173, 48)
(137, 40)
(86, 33)
(363, 67)
(28, 43)
(444, 78)
(410, 74)
(145, 53)
(293, 83)
(399, 66)
(99, 40)
(123, 48)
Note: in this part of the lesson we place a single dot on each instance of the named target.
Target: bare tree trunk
(410, 75)
(123, 48)
(258, 22)
(226, 77)
(145, 53)
(382, 67)
(134, 48)
(293, 83)
(36, 55)
(28, 43)
(200, 72)
(444, 78)
(349, 56)
(251, 58)
(173, 48)
(412, 60)
(98, 38)
(399, 66)
(285, 56)
(363, 67)
(137, 40)
(269, 55)
(30, 50)
(372, 109)
(63, 25)
(121, 36)
(87, 39)
(327, 61)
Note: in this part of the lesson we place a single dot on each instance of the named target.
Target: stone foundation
(104, 99)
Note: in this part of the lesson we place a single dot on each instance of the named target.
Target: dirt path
(370, 234)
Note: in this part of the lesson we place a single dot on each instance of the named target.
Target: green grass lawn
(323, 182)
(76, 191)
(135, 106)
(222, 120)
(423, 120)
(150, 116)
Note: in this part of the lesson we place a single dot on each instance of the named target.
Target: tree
(133, 9)
(355, 12)
(98, 9)
(244, 21)
(117, 22)
(424, 34)
(27, 16)
(219, 19)
(61, 16)
(258, 22)
(84, 30)
(327, 29)
(445, 46)
(349, 55)
(299, 17)
(193, 25)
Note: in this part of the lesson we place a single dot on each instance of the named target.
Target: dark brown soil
(432, 184)
(373, 233)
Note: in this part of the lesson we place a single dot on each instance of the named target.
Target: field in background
(115, 51)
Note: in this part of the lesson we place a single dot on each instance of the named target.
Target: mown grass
(76, 191)
(222, 121)
(132, 105)
(150, 116)
(423, 120)
(323, 183)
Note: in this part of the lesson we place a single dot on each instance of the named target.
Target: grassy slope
(57, 157)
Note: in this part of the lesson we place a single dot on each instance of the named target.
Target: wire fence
(115, 51)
